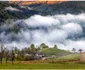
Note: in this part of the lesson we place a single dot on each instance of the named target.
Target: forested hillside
(14, 11)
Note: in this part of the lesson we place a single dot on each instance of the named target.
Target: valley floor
(48, 64)
(57, 65)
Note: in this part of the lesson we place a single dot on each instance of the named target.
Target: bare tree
(7, 55)
(12, 55)
(2, 49)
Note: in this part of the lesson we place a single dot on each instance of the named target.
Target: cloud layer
(67, 31)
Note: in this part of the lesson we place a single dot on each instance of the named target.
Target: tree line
(74, 50)
(25, 54)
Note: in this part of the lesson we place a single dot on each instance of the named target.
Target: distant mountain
(14, 11)
(73, 7)
(35, 2)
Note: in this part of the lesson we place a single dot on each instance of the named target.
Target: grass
(47, 64)
(58, 65)
(70, 57)
(54, 51)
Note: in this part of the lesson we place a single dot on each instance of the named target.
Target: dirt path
(83, 56)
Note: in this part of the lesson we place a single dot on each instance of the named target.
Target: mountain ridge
(14, 11)
(35, 2)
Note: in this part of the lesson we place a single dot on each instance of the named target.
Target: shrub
(27, 58)
(19, 58)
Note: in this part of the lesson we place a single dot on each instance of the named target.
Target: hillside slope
(71, 57)
(54, 52)
(73, 7)
(14, 11)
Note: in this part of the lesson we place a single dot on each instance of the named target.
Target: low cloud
(72, 28)
(67, 31)
(38, 21)
(11, 9)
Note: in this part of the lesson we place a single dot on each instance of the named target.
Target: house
(39, 55)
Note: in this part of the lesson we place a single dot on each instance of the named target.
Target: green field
(54, 51)
(70, 57)
(47, 64)
(58, 65)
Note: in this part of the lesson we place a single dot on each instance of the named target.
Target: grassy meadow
(74, 57)
(59, 63)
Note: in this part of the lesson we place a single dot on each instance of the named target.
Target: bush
(27, 58)
(19, 58)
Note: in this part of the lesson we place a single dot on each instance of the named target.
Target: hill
(71, 57)
(35, 2)
(54, 52)
(14, 11)
(73, 7)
